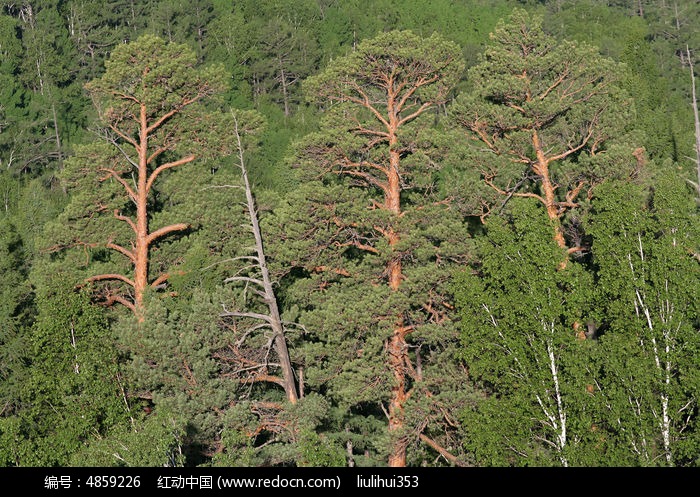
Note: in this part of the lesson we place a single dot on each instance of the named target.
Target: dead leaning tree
(697, 122)
(263, 288)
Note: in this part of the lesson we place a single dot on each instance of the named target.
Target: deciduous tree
(71, 394)
(518, 315)
(645, 246)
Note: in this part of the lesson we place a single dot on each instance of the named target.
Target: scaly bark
(397, 345)
(393, 86)
(143, 238)
(541, 168)
(137, 129)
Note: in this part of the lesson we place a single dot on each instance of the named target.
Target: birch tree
(517, 316)
(645, 245)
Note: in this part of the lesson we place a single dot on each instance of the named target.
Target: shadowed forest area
(321, 233)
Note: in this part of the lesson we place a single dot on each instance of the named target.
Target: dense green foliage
(318, 233)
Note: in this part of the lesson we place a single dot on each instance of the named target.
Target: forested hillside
(400, 233)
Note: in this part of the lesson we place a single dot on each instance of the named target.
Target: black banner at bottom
(329, 481)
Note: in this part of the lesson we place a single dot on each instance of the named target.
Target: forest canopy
(349, 234)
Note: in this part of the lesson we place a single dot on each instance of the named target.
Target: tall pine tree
(370, 241)
(151, 122)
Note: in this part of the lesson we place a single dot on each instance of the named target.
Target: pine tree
(257, 274)
(548, 120)
(152, 123)
(369, 242)
(283, 55)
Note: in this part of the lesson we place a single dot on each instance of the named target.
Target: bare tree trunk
(283, 83)
(697, 121)
(396, 345)
(548, 191)
(59, 153)
(141, 245)
(273, 317)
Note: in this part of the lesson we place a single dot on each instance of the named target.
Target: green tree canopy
(374, 240)
(519, 320)
(152, 121)
(548, 119)
(645, 246)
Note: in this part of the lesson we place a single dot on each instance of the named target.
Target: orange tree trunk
(397, 346)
